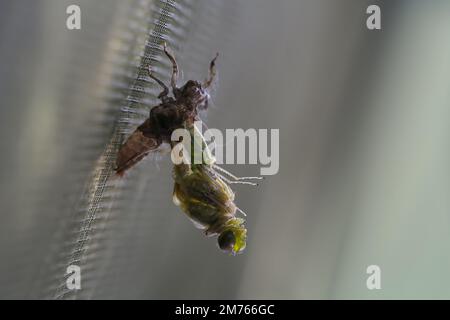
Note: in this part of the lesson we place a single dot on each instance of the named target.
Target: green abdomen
(205, 199)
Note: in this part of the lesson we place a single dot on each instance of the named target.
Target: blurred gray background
(364, 151)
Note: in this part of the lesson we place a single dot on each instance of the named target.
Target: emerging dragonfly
(201, 190)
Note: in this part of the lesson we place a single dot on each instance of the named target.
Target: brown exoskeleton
(172, 113)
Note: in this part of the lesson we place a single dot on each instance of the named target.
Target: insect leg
(212, 72)
(235, 182)
(173, 80)
(242, 212)
(234, 177)
(165, 91)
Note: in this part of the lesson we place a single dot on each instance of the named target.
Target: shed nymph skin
(171, 114)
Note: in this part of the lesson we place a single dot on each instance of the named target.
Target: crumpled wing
(134, 150)
(207, 187)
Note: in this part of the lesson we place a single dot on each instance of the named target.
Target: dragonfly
(202, 190)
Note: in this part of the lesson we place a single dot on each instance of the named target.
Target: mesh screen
(82, 214)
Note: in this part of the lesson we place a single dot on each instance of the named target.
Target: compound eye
(226, 240)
